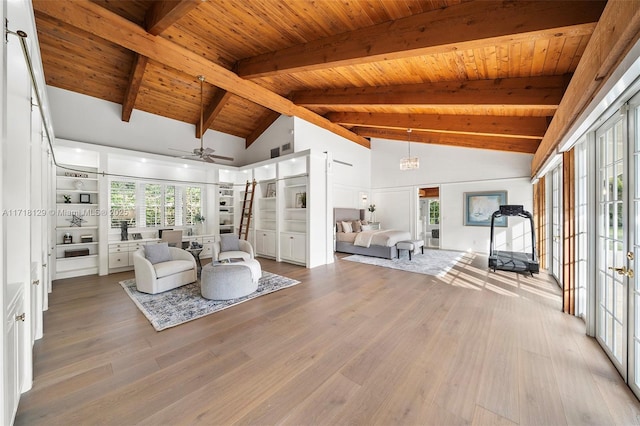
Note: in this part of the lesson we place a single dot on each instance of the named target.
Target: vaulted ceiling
(484, 74)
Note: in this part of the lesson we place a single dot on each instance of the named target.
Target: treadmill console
(511, 210)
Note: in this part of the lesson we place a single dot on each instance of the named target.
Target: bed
(376, 243)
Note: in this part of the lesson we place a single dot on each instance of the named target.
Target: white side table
(375, 225)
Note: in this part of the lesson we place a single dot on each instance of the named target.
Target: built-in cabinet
(266, 243)
(15, 334)
(121, 253)
(290, 223)
(293, 247)
(266, 210)
(77, 221)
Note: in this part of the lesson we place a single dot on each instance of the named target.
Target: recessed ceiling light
(185, 166)
(78, 150)
(144, 160)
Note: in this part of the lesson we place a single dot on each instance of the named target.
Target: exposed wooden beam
(164, 13)
(97, 20)
(135, 80)
(459, 27)
(212, 110)
(262, 125)
(520, 127)
(530, 92)
(617, 31)
(527, 146)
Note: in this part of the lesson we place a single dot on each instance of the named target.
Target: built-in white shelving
(77, 221)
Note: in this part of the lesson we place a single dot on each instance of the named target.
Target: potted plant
(372, 209)
(198, 219)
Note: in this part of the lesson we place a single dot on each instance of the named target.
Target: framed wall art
(479, 206)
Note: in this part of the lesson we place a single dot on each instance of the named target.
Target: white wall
(350, 180)
(456, 171)
(455, 236)
(278, 134)
(442, 164)
(84, 118)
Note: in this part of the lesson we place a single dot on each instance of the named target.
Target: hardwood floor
(352, 344)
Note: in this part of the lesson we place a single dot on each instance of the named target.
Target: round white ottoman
(226, 281)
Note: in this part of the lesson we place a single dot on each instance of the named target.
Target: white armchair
(230, 247)
(155, 278)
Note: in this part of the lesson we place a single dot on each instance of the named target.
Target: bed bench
(411, 246)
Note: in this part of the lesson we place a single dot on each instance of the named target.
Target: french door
(618, 234)
(556, 225)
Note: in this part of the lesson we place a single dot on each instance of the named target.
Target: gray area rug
(183, 304)
(432, 262)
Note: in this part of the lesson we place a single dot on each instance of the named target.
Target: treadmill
(510, 260)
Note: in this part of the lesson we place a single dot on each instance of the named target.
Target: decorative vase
(124, 230)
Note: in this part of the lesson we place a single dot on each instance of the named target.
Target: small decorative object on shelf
(301, 200)
(86, 238)
(67, 238)
(67, 199)
(271, 190)
(372, 211)
(136, 236)
(76, 220)
(85, 198)
(81, 175)
(78, 184)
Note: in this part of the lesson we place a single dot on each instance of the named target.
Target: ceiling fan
(202, 154)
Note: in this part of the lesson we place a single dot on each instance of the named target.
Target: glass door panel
(611, 233)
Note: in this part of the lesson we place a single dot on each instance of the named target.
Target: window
(434, 212)
(152, 205)
(122, 199)
(193, 204)
(170, 205)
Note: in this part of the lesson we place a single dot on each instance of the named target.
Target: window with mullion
(122, 199)
(153, 204)
(192, 204)
(170, 205)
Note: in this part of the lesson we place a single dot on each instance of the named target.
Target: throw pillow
(356, 226)
(339, 227)
(229, 242)
(346, 226)
(364, 222)
(156, 253)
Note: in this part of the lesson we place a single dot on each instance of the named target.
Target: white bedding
(385, 238)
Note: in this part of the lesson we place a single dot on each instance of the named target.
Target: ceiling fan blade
(208, 151)
(207, 159)
(221, 157)
(179, 150)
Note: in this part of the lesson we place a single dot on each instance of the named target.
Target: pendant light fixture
(409, 162)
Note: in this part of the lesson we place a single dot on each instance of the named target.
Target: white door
(634, 243)
(612, 263)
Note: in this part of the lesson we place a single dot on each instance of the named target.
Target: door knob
(623, 271)
(35, 282)
(20, 317)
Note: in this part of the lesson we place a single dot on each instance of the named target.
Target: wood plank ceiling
(484, 74)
